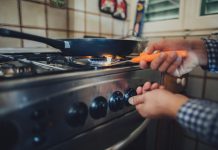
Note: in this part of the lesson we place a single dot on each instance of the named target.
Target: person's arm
(212, 54)
(200, 53)
(198, 116)
(201, 118)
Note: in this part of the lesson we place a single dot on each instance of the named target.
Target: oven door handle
(125, 142)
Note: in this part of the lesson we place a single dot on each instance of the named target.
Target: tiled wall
(203, 85)
(81, 17)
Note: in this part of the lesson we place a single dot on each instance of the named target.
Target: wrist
(177, 104)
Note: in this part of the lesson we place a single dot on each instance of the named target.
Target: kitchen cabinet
(161, 23)
(193, 18)
(196, 19)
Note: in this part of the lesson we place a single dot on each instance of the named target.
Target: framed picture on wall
(120, 11)
(107, 6)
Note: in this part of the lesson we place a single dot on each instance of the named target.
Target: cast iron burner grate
(29, 65)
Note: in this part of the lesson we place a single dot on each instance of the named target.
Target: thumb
(135, 100)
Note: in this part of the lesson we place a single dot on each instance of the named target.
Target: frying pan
(80, 47)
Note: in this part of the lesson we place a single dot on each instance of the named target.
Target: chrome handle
(125, 142)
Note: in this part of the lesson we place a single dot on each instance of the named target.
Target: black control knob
(116, 101)
(9, 135)
(129, 93)
(77, 114)
(98, 108)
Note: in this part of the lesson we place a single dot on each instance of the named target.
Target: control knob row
(78, 112)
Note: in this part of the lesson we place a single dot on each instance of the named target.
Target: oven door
(114, 135)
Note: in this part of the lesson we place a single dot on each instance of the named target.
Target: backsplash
(79, 18)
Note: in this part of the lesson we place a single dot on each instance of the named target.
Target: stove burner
(102, 61)
(10, 70)
(31, 64)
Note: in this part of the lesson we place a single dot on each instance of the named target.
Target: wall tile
(33, 14)
(182, 131)
(106, 35)
(194, 87)
(9, 12)
(202, 146)
(77, 35)
(77, 4)
(197, 71)
(128, 11)
(92, 6)
(126, 30)
(39, 1)
(77, 21)
(106, 25)
(118, 27)
(155, 39)
(212, 74)
(117, 36)
(211, 89)
(10, 42)
(57, 34)
(28, 43)
(173, 38)
(193, 37)
(57, 18)
(93, 34)
(92, 23)
(184, 143)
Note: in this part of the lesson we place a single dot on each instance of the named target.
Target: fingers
(146, 87)
(139, 90)
(143, 64)
(154, 46)
(154, 86)
(135, 100)
(166, 63)
(141, 111)
(161, 87)
(158, 61)
(151, 48)
(175, 65)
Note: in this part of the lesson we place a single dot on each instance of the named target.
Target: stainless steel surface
(134, 134)
(45, 66)
(56, 93)
(28, 50)
(26, 61)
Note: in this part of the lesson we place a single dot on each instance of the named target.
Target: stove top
(22, 63)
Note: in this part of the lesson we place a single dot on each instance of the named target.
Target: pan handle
(15, 34)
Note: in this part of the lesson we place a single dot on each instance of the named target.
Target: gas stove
(22, 65)
(50, 101)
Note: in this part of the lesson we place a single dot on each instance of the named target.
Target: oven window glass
(157, 10)
(209, 7)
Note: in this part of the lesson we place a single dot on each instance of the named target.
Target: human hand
(172, 63)
(158, 102)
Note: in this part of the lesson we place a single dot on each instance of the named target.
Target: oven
(82, 110)
(74, 110)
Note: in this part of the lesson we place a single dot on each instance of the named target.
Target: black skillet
(80, 47)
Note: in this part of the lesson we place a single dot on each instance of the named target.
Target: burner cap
(102, 61)
(8, 70)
